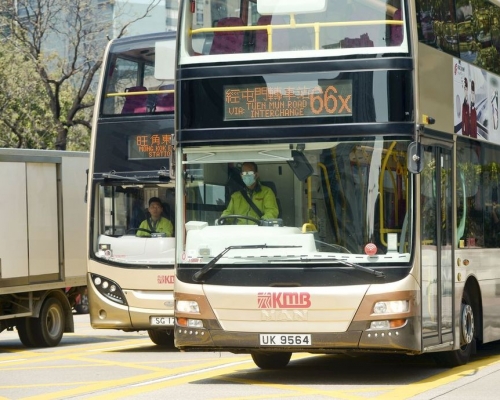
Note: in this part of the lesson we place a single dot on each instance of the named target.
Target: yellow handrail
(381, 190)
(330, 197)
(126, 94)
(308, 227)
(341, 239)
(293, 25)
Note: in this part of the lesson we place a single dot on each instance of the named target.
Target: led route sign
(149, 146)
(288, 100)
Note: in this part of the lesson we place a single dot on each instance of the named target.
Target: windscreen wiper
(162, 174)
(113, 175)
(369, 270)
(198, 275)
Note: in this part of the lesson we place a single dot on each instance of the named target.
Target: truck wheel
(271, 360)
(162, 338)
(25, 332)
(48, 328)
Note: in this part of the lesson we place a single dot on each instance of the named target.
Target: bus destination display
(149, 146)
(288, 100)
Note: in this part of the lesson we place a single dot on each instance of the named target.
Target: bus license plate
(161, 320)
(279, 339)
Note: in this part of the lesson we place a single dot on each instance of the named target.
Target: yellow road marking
(90, 387)
(160, 377)
(37, 356)
(452, 375)
(175, 380)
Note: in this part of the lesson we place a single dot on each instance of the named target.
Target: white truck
(43, 261)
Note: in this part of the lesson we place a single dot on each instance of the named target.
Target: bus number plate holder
(167, 321)
(280, 339)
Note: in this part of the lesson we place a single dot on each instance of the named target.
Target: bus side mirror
(415, 158)
(164, 69)
(300, 165)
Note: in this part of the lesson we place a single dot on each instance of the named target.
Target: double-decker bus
(382, 151)
(130, 266)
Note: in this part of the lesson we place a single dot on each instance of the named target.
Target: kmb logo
(165, 279)
(284, 300)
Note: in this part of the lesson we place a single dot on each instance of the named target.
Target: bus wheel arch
(473, 292)
(271, 360)
(470, 331)
(162, 337)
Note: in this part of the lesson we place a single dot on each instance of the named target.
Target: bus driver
(156, 223)
(261, 196)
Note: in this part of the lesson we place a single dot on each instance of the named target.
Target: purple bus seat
(396, 30)
(229, 42)
(362, 41)
(165, 101)
(135, 104)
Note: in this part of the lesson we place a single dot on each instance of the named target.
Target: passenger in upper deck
(262, 197)
(156, 223)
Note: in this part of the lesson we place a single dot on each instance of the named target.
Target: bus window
(220, 30)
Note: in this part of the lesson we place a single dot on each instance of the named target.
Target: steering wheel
(221, 220)
(135, 230)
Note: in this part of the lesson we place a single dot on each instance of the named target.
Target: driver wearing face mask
(262, 196)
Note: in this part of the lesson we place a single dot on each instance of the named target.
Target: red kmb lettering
(165, 279)
(284, 300)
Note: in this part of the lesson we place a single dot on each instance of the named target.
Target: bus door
(436, 234)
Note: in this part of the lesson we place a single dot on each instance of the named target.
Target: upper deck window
(223, 30)
(134, 84)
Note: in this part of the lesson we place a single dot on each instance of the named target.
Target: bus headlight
(187, 306)
(109, 289)
(190, 323)
(391, 307)
(388, 324)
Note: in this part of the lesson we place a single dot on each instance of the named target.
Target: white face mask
(248, 180)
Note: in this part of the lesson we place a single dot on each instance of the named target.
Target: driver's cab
(210, 187)
(118, 215)
(347, 197)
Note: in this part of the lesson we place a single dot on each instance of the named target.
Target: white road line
(17, 359)
(116, 347)
(169, 378)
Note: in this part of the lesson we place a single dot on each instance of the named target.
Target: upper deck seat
(228, 42)
(362, 41)
(165, 101)
(396, 30)
(136, 103)
(280, 39)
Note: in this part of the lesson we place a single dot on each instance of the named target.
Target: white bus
(130, 267)
(382, 148)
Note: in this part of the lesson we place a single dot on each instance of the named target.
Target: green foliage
(25, 119)
(50, 56)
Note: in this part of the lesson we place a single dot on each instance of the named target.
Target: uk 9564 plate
(280, 339)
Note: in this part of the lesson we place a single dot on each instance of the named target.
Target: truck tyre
(25, 332)
(162, 337)
(48, 328)
(271, 360)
